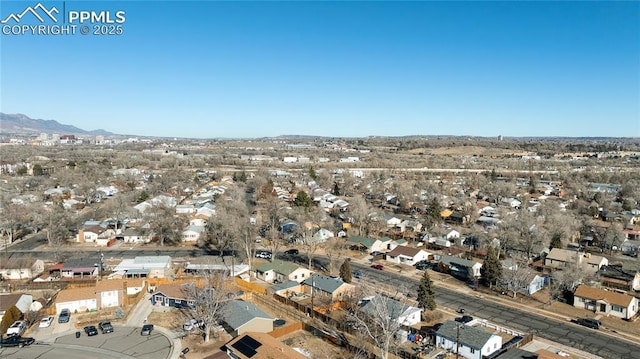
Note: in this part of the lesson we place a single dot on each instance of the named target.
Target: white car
(46, 321)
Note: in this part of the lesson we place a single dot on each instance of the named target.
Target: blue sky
(250, 69)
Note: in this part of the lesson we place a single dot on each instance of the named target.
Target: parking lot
(124, 342)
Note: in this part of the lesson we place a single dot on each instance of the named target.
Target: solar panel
(247, 346)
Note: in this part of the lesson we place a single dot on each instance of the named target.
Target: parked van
(17, 328)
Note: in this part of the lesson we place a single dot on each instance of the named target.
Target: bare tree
(516, 279)
(310, 220)
(207, 299)
(165, 224)
(379, 320)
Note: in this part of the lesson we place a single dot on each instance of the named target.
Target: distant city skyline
(204, 69)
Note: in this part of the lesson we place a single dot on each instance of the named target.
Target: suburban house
(366, 244)
(281, 271)
(192, 233)
(144, 267)
(115, 292)
(605, 302)
(253, 345)
(79, 267)
(99, 235)
(470, 342)
(240, 317)
(22, 302)
(326, 288)
(20, 268)
(322, 235)
(561, 258)
(135, 235)
(401, 312)
(406, 255)
(171, 295)
(409, 226)
(618, 278)
(77, 300)
(459, 267)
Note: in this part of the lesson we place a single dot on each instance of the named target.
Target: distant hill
(22, 124)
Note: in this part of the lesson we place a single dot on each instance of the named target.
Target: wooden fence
(288, 329)
(252, 287)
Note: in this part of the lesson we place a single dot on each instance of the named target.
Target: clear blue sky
(250, 69)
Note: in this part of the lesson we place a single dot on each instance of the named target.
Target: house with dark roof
(171, 295)
(470, 342)
(252, 345)
(81, 267)
(619, 278)
(327, 288)
(459, 267)
(240, 316)
(366, 244)
(605, 302)
(281, 271)
(406, 255)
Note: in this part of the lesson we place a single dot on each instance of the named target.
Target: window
(473, 351)
(616, 308)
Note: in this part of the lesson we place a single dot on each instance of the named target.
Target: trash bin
(77, 334)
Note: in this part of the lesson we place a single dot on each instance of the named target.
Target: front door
(603, 307)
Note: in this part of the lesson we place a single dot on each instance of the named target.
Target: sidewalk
(138, 317)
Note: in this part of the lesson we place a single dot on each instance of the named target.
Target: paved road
(565, 333)
(124, 343)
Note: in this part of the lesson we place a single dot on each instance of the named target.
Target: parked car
(64, 316)
(17, 328)
(291, 252)
(105, 327)
(16, 341)
(357, 274)
(464, 319)
(377, 266)
(91, 330)
(422, 265)
(46, 321)
(146, 329)
(376, 253)
(192, 324)
(589, 323)
(263, 254)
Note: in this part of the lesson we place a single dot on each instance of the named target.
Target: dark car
(91, 330)
(291, 252)
(64, 316)
(376, 253)
(377, 266)
(16, 341)
(589, 323)
(105, 327)
(357, 274)
(146, 329)
(422, 265)
(464, 319)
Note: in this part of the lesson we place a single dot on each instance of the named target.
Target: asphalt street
(588, 340)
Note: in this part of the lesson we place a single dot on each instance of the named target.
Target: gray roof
(395, 308)
(469, 336)
(517, 353)
(238, 313)
(324, 283)
(285, 285)
(84, 262)
(456, 260)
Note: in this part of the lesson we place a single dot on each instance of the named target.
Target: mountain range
(22, 124)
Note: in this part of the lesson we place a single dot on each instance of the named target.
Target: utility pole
(457, 340)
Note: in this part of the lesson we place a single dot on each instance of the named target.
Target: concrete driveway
(124, 342)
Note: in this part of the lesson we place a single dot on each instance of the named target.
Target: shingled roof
(469, 336)
(619, 299)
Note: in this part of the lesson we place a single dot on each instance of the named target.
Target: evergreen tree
(37, 170)
(303, 200)
(345, 271)
(312, 173)
(336, 189)
(426, 293)
(556, 241)
(243, 177)
(492, 268)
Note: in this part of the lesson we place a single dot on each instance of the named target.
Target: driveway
(124, 342)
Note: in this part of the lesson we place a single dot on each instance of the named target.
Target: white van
(17, 328)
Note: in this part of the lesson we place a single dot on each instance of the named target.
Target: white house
(134, 235)
(281, 271)
(368, 244)
(406, 255)
(561, 258)
(77, 300)
(192, 233)
(144, 267)
(514, 203)
(605, 302)
(453, 234)
(185, 209)
(396, 310)
(322, 235)
(17, 269)
(470, 342)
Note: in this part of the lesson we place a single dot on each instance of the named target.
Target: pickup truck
(17, 328)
